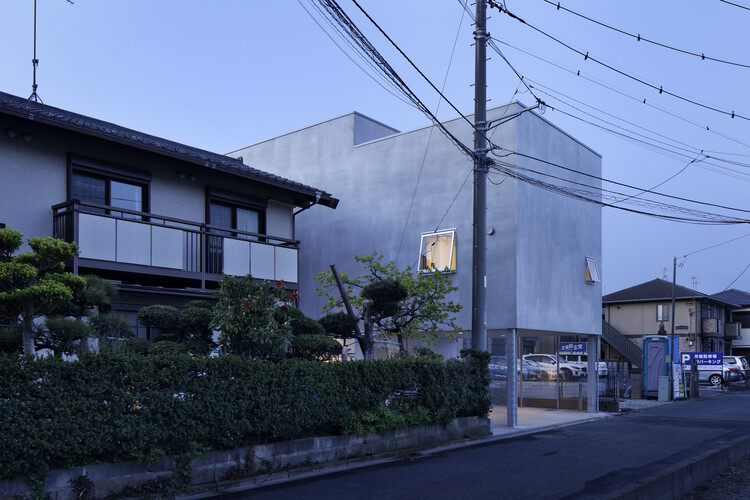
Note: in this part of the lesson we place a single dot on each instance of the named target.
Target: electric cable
(638, 37)
(735, 4)
(587, 56)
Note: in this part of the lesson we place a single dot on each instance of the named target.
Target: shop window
(438, 251)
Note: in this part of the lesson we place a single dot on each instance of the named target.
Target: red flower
(279, 284)
(294, 295)
(285, 309)
(247, 303)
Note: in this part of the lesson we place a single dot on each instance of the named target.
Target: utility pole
(479, 256)
(673, 348)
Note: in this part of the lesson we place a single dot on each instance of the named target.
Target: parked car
(729, 373)
(740, 362)
(581, 360)
(549, 362)
(499, 369)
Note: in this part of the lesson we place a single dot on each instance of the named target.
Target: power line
(461, 115)
(367, 61)
(638, 37)
(586, 57)
(716, 245)
(738, 277)
(429, 137)
(627, 95)
(349, 28)
(735, 4)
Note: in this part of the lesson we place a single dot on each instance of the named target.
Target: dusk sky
(222, 75)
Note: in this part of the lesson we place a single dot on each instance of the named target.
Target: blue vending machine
(655, 362)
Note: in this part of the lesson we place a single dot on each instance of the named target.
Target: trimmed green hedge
(119, 406)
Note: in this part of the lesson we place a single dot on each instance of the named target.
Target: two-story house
(163, 220)
(702, 323)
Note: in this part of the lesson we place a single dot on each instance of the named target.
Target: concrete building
(161, 219)
(408, 196)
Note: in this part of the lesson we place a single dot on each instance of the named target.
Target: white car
(568, 371)
(582, 361)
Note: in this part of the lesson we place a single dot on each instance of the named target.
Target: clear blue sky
(221, 75)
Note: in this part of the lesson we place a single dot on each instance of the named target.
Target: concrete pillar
(511, 353)
(592, 386)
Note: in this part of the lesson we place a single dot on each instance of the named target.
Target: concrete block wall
(245, 467)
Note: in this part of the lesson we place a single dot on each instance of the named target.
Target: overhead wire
(376, 76)
(350, 29)
(735, 4)
(587, 56)
(639, 38)
(429, 137)
(627, 95)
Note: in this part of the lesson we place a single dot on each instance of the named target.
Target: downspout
(318, 194)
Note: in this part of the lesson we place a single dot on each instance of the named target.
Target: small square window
(438, 251)
(592, 271)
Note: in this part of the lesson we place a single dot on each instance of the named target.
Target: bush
(315, 347)
(111, 325)
(338, 324)
(10, 339)
(158, 316)
(118, 406)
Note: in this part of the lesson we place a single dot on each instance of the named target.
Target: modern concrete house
(163, 220)
(702, 322)
(408, 196)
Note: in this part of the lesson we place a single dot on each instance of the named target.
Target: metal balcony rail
(108, 233)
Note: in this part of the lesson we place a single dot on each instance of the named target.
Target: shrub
(118, 406)
(159, 316)
(315, 347)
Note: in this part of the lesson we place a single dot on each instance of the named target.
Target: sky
(226, 74)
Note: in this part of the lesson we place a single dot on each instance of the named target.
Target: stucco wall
(380, 210)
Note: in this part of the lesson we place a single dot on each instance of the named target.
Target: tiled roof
(734, 296)
(42, 113)
(657, 289)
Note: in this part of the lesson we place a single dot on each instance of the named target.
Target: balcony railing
(108, 234)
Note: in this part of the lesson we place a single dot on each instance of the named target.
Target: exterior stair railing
(622, 344)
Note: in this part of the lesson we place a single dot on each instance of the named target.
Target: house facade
(163, 220)
(408, 196)
(739, 331)
(702, 323)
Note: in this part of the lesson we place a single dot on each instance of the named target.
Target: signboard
(706, 360)
(572, 348)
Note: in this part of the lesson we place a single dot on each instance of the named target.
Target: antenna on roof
(34, 62)
(665, 273)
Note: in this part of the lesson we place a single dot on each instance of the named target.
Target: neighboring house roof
(42, 113)
(655, 290)
(735, 297)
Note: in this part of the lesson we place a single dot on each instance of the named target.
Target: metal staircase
(621, 344)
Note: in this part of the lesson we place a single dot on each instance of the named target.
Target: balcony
(125, 243)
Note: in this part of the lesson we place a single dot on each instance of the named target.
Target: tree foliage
(404, 303)
(34, 284)
(252, 318)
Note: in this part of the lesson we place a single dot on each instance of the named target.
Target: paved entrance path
(602, 458)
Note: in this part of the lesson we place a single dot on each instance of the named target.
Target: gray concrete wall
(380, 210)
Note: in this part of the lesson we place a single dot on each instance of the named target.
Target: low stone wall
(254, 465)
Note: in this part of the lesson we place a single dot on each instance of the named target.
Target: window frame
(109, 172)
(235, 201)
(592, 271)
(664, 312)
(451, 268)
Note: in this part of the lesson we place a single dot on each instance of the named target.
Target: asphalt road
(586, 460)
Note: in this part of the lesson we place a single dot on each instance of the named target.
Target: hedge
(118, 406)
